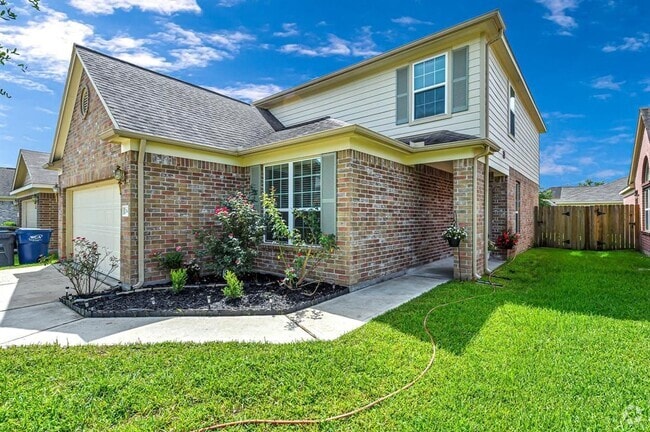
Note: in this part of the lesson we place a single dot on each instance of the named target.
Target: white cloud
(646, 84)
(557, 13)
(409, 21)
(616, 139)
(46, 42)
(24, 82)
(553, 159)
(630, 44)
(557, 115)
(602, 96)
(107, 7)
(229, 3)
(46, 111)
(288, 30)
(606, 83)
(586, 160)
(248, 91)
(608, 173)
(362, 46)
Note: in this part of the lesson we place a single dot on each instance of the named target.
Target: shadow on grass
(609, 284)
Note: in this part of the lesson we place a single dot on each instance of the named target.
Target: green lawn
(564, 345)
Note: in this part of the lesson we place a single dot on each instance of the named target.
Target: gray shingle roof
(609, 192)
(304, 129)
(6, 180)
(36, 174)
(144, 101)
(438, 137)
(645, 115)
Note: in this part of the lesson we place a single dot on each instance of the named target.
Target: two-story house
(389, 151)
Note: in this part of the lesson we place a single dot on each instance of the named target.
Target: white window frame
(512, 111)
(446, 83)
(646, 209)
(517, 207)
(291, 209)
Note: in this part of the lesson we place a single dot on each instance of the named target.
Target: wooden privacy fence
(601, 227)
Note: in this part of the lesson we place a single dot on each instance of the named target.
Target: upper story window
(645, 176)
(433, 87)
(512, 102)
(430, 87)
(296, 187)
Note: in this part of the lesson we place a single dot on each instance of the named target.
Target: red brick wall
(180, 198)
(529, 200)
(644, 245)
(390, 217)
(88, 159)
(47, 213)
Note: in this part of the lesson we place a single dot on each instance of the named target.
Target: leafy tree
(8, 53)
(590, 182)
(545, 197)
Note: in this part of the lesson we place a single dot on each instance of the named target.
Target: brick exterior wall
(644, 242)
(180, 198)
(529, 200)
(463, 198)
(87, 159)
(8, 212)
(390, 217)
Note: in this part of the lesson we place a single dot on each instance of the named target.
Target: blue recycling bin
(33, 243)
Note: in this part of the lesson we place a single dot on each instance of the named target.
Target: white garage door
(96, 216)
(28, 214)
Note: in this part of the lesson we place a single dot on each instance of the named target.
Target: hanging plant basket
(454, 242)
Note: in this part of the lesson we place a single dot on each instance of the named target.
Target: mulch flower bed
(263, 295)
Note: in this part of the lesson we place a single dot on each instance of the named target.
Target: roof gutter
(40, 186)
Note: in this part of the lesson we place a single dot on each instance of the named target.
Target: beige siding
(522, 151)
(370, 102)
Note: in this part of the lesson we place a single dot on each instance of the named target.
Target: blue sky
(586, 62)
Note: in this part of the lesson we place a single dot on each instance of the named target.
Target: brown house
(388, 153)
(35, 192)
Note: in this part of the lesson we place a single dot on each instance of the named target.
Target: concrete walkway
(30, 313)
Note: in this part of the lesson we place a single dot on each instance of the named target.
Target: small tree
(300, 251)
(82, 266)
(545, 198)
(232, 243)
(590, 182)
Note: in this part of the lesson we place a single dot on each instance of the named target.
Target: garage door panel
(96, 216)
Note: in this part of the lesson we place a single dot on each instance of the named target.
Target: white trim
(646, 209)
(512, 111)
(18, 192)
(445, 84)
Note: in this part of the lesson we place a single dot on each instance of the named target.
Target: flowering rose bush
(170, 260)
(507, 239)
(232, 243)
(83, 264)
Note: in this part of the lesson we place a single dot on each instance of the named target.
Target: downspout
(141, 154)
(485, 154)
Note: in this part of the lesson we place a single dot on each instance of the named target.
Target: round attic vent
(83, 102)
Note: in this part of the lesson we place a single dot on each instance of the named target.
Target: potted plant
(491, 248)
(507, 239)
(454, 234)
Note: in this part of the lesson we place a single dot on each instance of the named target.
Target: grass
(17, 263)
(564, 345)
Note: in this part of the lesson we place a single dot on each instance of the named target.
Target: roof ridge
(308, 122)
(77, 46)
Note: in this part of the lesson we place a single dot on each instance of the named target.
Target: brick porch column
(463, 183)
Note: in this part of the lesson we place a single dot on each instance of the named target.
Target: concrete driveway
(30, 313)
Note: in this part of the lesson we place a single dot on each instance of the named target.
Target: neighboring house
(607, 193)
(389, 151)
(638, 182)
(8, 211)
(34, 188)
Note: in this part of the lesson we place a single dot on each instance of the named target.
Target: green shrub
(232, 243)
(234, 288)
(170, 260)
(179, 279)
(9, 223)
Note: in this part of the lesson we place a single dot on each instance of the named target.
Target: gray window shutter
(402, 96)
(328, 193)
(459, 79)
(256, 185)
